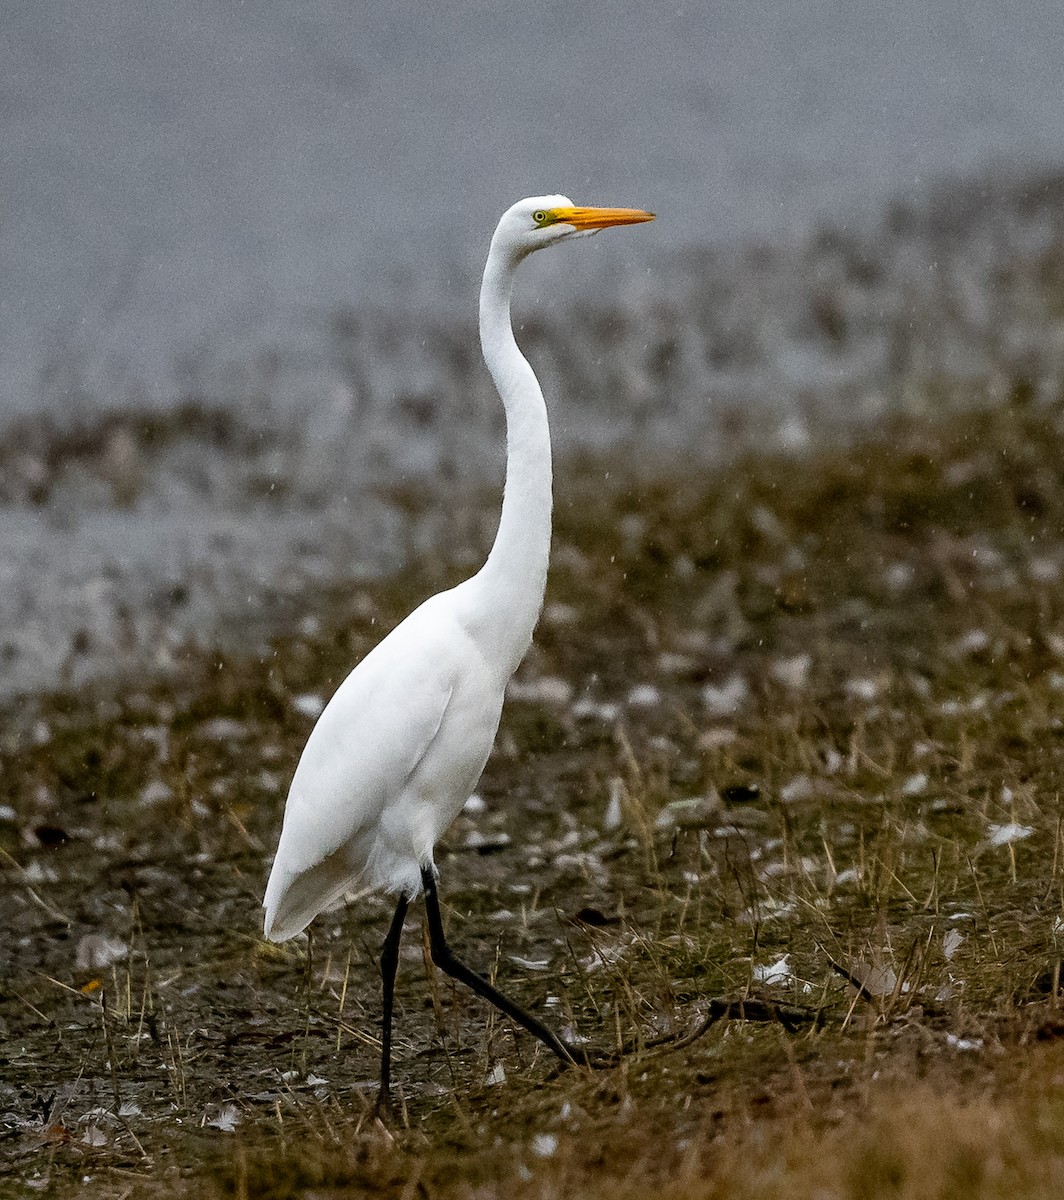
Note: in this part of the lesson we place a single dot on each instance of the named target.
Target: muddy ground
(787, 753)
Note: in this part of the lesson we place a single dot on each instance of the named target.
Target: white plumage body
(388, 766)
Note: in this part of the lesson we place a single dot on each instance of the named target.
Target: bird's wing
(364, 748)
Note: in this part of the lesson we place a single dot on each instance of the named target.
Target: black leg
(446, 961)
(389, 965)
(308, 970)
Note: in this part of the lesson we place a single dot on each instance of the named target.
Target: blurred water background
(240, 244)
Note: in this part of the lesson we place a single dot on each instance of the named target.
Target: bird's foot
(584, 1056)
(746, 1008)
(384, 1109)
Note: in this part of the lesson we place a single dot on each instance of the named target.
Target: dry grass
(789, 735)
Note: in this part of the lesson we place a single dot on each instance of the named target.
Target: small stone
(1005, 835)
(308, 705)
(97, 950)
(544, 1145)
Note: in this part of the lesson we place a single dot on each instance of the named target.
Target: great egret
(399, 748)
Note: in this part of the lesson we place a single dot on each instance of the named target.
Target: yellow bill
(599, 218)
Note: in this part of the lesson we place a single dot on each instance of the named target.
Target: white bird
(399, 748)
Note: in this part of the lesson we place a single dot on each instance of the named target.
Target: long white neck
(511, 583)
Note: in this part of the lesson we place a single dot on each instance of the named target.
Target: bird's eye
(539, 216)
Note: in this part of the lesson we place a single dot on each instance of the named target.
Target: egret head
(543, 220)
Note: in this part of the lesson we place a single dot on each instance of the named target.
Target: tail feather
(293, 901)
